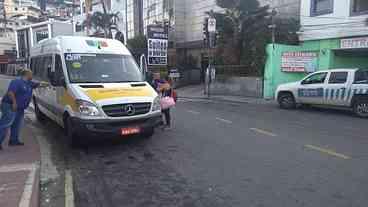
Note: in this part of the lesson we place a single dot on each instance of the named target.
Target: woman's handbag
(167, 102)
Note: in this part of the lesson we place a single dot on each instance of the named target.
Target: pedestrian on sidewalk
(13, 104)
(156, 82)
(167, 101)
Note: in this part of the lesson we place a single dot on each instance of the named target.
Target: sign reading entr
(361, 42)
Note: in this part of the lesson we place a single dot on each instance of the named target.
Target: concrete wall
(237, 86)
(188, 77)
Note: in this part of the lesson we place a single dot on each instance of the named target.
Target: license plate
(130, 130)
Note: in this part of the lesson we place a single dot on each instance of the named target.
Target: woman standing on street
(167, 101)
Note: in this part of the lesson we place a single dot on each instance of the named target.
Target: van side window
(36, 66)
(58, 68)
(46, 64)
(31, 65)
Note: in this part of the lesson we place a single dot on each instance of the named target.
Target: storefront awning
(355, 52)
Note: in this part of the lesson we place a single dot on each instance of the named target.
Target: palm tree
(103, 21)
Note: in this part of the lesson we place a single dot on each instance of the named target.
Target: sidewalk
(19, 172)
(196, 92)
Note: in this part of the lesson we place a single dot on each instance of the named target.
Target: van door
(337, 88)
(58, 89)
(44, 65)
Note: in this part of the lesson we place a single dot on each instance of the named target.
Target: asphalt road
(222, 154)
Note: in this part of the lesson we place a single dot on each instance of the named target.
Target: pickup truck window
(361, 77)
(338, 77)
(315, 79)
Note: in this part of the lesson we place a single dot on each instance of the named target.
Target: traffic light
(205, 33)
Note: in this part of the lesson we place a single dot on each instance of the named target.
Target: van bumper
(112, 128)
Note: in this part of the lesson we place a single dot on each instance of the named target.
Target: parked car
(339, 87)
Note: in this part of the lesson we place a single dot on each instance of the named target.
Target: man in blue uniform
(13, 104)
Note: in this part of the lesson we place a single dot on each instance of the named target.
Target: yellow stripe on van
(67, 100)
(100, 94)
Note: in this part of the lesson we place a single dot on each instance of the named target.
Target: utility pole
(273, 26)
(126, 23)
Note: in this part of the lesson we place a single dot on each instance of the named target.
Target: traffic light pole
(211, 31)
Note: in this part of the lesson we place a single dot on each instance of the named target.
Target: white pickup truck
(339, 87)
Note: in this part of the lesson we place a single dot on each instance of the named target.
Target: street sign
(174, 73)
(211, 25)
(157, 44)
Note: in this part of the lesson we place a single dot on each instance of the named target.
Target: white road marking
(327, 151)
(224, 120)
(261, 131)
(69, 193)
(28, 188)
(193, 112)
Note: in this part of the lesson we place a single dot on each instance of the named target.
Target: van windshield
(101, 68)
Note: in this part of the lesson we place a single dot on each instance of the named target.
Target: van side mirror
(62, 82)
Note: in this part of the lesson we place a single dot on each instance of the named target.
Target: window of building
(359, 7)
(321, 7)
(338, 77)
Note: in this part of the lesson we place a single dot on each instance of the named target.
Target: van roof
(79, 44)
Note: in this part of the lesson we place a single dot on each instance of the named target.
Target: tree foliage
(244, 33)
(138, 42)
(102, 23)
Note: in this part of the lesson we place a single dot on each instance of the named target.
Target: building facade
(333, 34)
(134, 18)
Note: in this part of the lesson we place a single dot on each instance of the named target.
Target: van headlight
(156, 106)
(86, 108)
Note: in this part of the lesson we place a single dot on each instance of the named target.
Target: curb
(35, 202)
(219, 99)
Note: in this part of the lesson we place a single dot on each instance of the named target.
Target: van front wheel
(149, 133)
(73, 139)
(39, 115)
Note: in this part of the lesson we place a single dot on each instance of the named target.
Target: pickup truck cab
(339, 87)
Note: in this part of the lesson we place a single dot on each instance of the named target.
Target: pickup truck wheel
(287, 101)
(361, 107)
(39, 115)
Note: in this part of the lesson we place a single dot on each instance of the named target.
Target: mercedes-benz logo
(129, 109)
